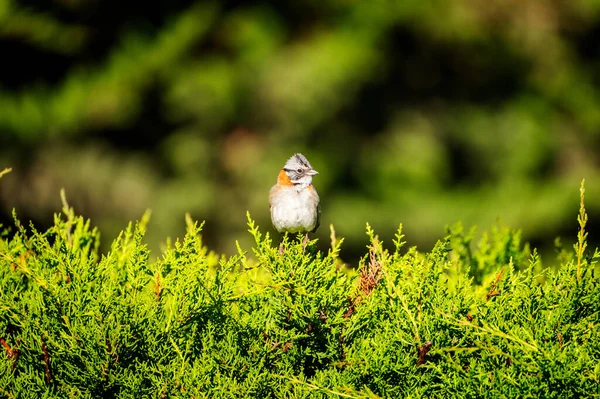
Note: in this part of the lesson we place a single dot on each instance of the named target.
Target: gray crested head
(299, 170)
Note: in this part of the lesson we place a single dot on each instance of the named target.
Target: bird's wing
(318, 217)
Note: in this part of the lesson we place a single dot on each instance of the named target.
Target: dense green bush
(461, 321)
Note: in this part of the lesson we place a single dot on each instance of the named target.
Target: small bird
(293, 200)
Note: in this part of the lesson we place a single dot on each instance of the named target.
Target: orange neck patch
(283, 179)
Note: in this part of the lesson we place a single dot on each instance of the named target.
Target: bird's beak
(312, 172)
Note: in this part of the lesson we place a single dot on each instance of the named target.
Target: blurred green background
(415, 112)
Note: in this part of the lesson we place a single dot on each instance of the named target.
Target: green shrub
(291, 321)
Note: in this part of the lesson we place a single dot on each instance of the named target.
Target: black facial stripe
(302, 162)
(293, 174)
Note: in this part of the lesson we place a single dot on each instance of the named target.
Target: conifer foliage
(464, 320)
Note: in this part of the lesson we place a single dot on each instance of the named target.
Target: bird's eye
(299, 170)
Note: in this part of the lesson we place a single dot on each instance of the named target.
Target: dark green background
(414, 112)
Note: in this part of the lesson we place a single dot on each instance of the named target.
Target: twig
(422, 351)
(5, 171)
(12, 353)
(47, 373)
(493, 291)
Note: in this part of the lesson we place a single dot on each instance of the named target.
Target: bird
(293, 200)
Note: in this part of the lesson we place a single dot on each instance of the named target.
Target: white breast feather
(294, 211)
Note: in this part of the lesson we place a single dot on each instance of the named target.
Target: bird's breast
(294, 210)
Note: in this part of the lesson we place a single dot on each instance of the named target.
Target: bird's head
(299, 170)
